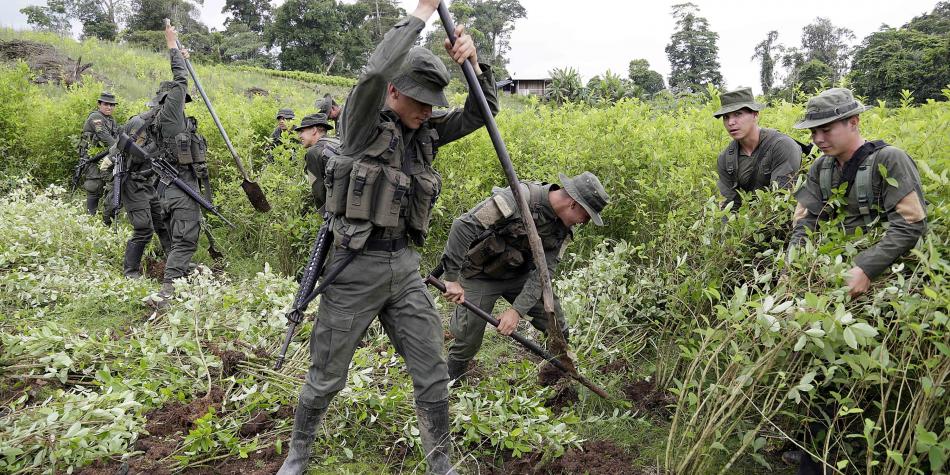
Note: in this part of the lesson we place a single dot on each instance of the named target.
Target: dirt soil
(154, 269)
(564, 398)
(262, 462)
(647, 397)
(49, 65)
(230, 359)
(596, 458)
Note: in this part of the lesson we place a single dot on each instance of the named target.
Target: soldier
(284, 116)
(391, 140)
(138, 195)
(757, 157)
(312, 133)
(98, 132)
(327, 106)
(488, 249)
(177, 141)
(854, 164)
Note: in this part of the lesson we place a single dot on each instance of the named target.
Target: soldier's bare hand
(463, 49)
(454, 293)
(508, 321)
(858, 281)
(425, 8)
(185, 54)
(171, 35)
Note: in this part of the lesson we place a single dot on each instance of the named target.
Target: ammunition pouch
(187, 148)
(377, 187)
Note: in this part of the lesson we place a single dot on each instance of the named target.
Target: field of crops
(718, 354)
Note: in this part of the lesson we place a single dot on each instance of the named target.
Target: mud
(616, 366)
(564, 398)
(154, 269)
(259, 423)
(179, 417)
(647, 397)
(596, 458)
(549, 375)
(265, 461)
(230, 359)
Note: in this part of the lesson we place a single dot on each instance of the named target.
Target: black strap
(850, 171)
(388, 245)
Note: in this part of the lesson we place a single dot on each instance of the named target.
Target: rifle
(167, 174)
(80, 168)
(433, 280)
(118, 175)
(318, 256)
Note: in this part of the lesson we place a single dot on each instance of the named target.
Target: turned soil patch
(48, 64)
(647, 397)
(596, 458)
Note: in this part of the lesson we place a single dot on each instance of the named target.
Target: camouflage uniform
(776, 159)
(139, 198)
(901, 205)
(488, 253)
(324, 106)
(383, 279)
(869, 199)
(99, 131)
(315, 160)
(182, 214)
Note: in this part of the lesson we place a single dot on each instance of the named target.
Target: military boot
(132, 262)
(92, 205)
(457, 369)
(436, 440)
(306, 422)
(161, 299)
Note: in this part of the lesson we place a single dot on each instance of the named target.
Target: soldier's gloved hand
(454, 293)
(105, 164)
(508, 321)
(295, 316)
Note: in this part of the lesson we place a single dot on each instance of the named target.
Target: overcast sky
(596, 35)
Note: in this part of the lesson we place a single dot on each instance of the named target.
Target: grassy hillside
(717, 352)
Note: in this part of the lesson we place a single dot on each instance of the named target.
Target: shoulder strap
(862, 182)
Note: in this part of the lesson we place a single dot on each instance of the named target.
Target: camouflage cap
(163, 89)
(285, 113)
(423, 78)
(588, 192)
(834, 104)
(108, 98)
(325, 104)
(314, 120)
(739, 99)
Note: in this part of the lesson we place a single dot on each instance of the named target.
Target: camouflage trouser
(94, 188)
(183, 222)
(469, 330)
(380, 283)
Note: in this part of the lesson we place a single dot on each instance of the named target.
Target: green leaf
(849, 338)
(864, 330)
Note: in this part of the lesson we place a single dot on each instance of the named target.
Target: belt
(388, 245)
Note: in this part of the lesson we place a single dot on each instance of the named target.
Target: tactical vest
(505, 251)
(185, 148)
(760, 178)
(380, 186)
(862, 182)
(88, 138)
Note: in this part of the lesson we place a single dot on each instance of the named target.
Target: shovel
(253, 191)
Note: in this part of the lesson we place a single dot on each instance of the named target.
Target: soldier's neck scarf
(850, 171)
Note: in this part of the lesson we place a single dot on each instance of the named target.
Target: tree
(763, 52)
(565, 86)
(321, 36)
(814, 76)
(648, 80)
(149, 15)
(383, 14)
(254, 14)
(607, 89)
(692, 51)
(827, 43)
(53, 17)
(490, 22)
(913, 57)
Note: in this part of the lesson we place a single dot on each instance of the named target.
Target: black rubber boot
(92, 205)
(306, 422)
(457, 369)
(436, 440)
(132, 262)
(161, 299)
